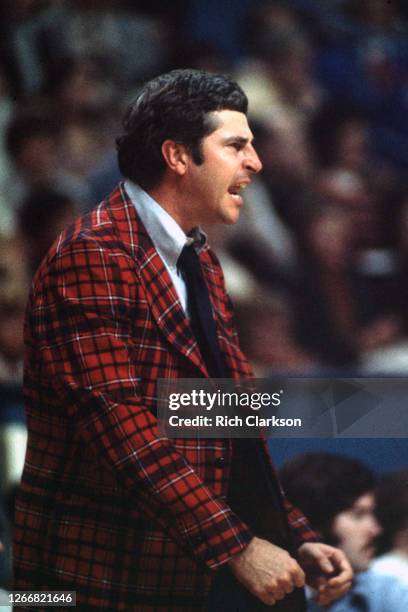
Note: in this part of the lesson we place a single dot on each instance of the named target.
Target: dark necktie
(201, 317)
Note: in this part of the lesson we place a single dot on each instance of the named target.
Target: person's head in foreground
(336, 493)
(187, 142)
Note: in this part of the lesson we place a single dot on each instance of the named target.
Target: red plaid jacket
(108, 508)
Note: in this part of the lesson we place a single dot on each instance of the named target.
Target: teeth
(238, 187)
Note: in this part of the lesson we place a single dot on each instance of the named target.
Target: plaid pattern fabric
(107, 507)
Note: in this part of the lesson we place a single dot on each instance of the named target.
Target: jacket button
(219, 462)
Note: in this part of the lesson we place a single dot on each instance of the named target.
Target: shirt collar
(165, 233)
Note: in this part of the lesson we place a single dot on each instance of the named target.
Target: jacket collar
(160, 292)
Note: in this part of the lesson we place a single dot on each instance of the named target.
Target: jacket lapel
(160, 292)
(215, 285)
(219, 300)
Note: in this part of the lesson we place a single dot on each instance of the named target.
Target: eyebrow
(240, 139)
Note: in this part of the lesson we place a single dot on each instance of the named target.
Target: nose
(252, 161)
(374, 527)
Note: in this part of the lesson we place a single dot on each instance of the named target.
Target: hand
(327, 570)
(266, 570)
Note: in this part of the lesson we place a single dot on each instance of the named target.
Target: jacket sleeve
(80, 322)
(299, 524)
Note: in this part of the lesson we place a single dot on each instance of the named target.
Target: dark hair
(323, 484)
(41, 217)
(27, 124)
(392, 507)
(40, 208)
(174, 105)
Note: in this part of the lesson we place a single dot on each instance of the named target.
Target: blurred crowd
(317, 266)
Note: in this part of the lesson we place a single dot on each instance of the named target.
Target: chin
(362, 566)
(231, 218)
(230, 221)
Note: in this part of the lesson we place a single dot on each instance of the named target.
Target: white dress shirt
(166, 234)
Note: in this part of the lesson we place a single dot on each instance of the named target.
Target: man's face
(214, 188)
(356, 530)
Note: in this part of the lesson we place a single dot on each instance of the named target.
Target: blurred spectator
(84, 145)
(45, 31)
(13, 437)
(337, 495)
(33, 141)
(351, 192)
(240, 282)
(13, 270)
(33, 33)
(350, 171)
(135, 41)
(341, 138)
(390, 266)
(42, 217)
(11, 341)
(278, 78)
(82, 85)
(337, 319)
(85, 92)
(392, 513)
(267, 336)
(288, 163)
(6, 111)
(13, 292)
(366, 63)
(399, 293)
(376, 14)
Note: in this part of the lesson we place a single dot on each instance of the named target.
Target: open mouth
(235, 189)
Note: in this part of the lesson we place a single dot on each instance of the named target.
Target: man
(337, 495)
(392, 513)
(108, 508)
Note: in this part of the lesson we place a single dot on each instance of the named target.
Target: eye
(236, 145)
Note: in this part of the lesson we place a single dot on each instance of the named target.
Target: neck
(401, 542)
(173, 202)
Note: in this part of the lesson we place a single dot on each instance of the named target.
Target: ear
(176, 156)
